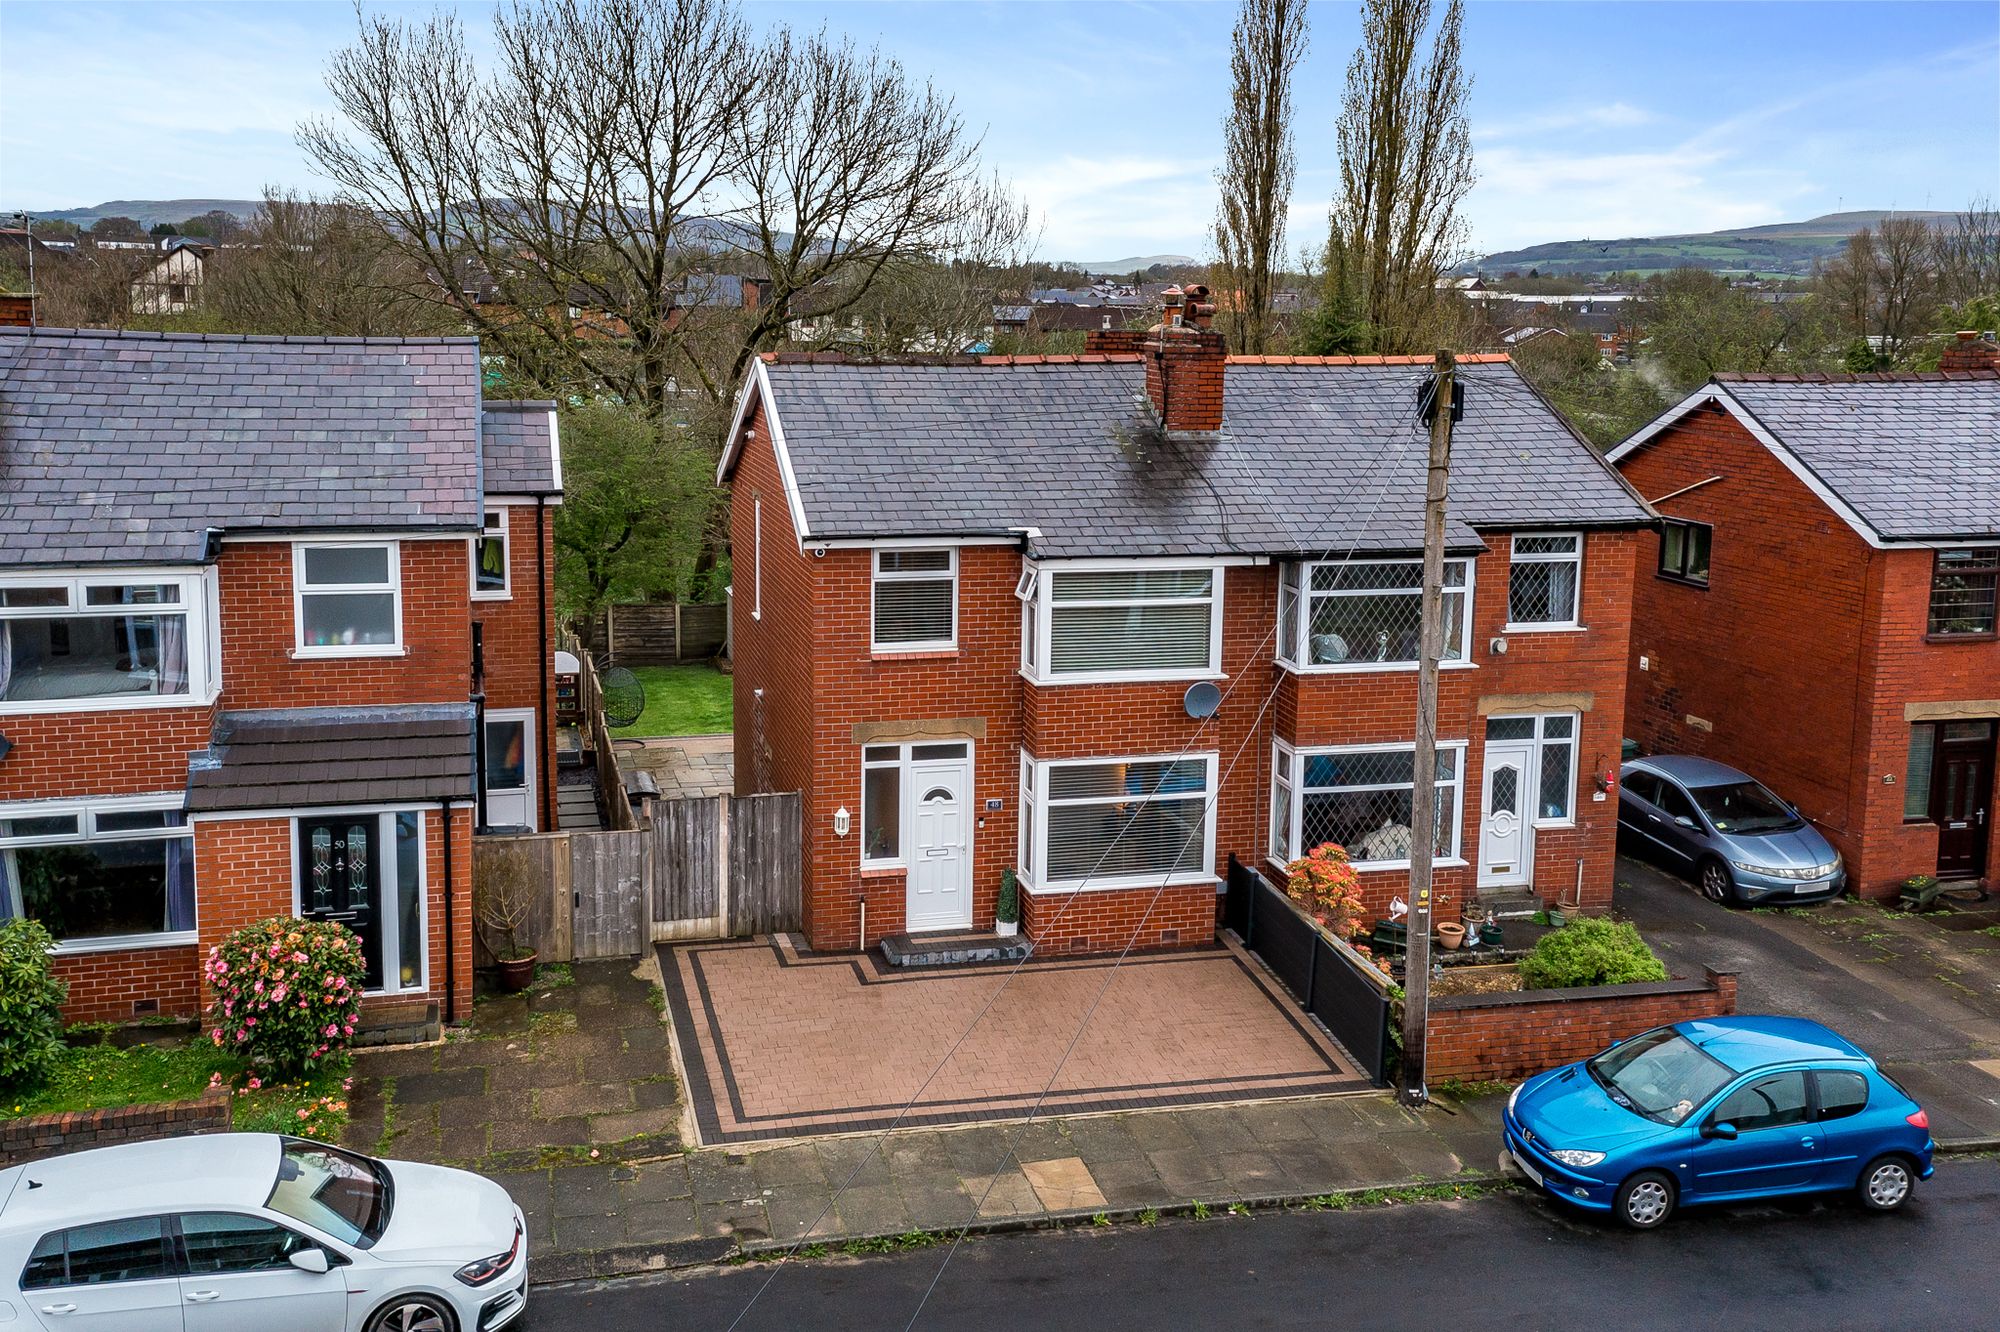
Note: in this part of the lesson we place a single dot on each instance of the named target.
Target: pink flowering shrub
(287, 993)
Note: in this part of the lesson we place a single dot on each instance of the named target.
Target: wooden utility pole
(1423, 788)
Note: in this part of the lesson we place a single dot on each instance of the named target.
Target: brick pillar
(1971, 351)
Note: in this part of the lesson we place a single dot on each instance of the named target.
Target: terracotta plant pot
(517, 973)
(1451, 934)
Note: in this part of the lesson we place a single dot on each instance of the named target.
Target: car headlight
(1569, 1156)
(1512, 1097)
(482, 1270)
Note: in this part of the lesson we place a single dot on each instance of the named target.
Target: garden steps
(1509, 903)
(944, 948)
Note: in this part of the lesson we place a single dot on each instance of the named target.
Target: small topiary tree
(1007, 910)
(31, 1000)
(287, 992)
(1590, 952)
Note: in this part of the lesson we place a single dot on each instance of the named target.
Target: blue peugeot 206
(1719, 1110)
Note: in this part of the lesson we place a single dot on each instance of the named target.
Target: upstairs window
(1542, 580)
(1129, 623)
(1366, 614)
(1965, 593)
(68, 639)
(916, 600)
(1684, 551)
(489, 557)
(348, 600)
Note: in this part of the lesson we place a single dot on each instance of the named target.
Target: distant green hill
(147, 212)
(1783, 247)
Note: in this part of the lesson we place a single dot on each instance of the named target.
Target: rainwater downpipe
(450, 925)
(544, 722)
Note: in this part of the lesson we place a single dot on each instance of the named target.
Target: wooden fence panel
(765, 891)
(703, 631)
(544, 860)
(608, 886)
(690, 857)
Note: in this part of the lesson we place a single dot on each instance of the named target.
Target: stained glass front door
(340, 878)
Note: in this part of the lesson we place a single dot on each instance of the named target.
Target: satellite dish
(1202, 699)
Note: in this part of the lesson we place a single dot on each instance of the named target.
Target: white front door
(940, 889)
(1506, 831)
(510, 768)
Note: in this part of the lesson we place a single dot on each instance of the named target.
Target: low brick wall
(1505, 1037)
(39, 1136)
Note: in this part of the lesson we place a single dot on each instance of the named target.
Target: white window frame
(1515, 556)
(1035, 824)
(86, 812)
(202, 634)
(1538, 743)
(1036, 590)
(1302, 623)
(1289, 760)
(300, 592)
(906, 804)
(505, 591)
(390, 940)
(880, 576)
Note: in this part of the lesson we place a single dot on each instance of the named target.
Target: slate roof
(1311, 457)
(518, 449)
(1917, 457)
(295, 758)
(125, 447)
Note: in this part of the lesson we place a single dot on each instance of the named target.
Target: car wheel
(1645, 1200)
(1716, 885)
(1886, 1184)
(414, 1313)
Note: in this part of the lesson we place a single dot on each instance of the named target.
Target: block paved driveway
(782, 1043)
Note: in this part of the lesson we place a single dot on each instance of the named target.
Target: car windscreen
(1744, 807)
(1660, 1074)
(341, 1193)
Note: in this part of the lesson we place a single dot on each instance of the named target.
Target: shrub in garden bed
(31, 1000)
(1590, 952)
(287, 994)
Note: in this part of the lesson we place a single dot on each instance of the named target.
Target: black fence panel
(1353, 1008)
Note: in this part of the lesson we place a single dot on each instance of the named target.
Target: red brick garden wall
(39, 1136)
(1505, 1037)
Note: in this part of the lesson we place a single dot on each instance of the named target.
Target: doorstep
(944, 948)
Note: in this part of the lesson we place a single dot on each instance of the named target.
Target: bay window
(100, 874)
(1121, 621)
(1116, 823)
(916, 600)
(1542, 579)
(1366, 614)
(66, 640)
(347, 599)
(1361, 798)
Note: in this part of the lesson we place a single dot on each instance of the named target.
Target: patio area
(778, 1042)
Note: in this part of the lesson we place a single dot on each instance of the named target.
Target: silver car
(1739, 842)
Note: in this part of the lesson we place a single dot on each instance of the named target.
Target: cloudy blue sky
(1590, 118)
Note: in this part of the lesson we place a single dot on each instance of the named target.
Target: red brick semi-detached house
(1109, 619)
(247, 587)
(1819, 608)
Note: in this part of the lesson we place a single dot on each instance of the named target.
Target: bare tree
(1968, 253)
(1886, 287)
(1405, 165)
(309, 267)
(1258, 164)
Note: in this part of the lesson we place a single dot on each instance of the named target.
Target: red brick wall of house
(259, 669)
(513, 667)
(107, 987)
(1799, 657)
(1506, 1037)
(136, 751)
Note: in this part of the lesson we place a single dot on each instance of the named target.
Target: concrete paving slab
(1063, 1185)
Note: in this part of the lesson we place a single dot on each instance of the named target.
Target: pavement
(1922, 998)
(684, 765)
(1507, 1261)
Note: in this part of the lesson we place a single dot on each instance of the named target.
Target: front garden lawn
(682, 700)
(103, 1077)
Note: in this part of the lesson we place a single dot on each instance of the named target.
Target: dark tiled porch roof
(307, 757)
(519, 448)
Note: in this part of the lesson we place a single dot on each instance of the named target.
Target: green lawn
(91, 1077)
(682, 700)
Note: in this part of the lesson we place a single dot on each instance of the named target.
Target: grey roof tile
(312, 757)
(1310, 458)
(519, 448)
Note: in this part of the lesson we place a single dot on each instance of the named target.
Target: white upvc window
(1361, 798)
(1551, 776)
(915, 600)
(109, 639)
(1118, 822)
(1093, 621)
(99, 874)
(347, 598)
(1365, 615)
(492, 569)
(1544, 580)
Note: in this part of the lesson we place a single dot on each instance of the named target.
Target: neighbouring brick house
(1819, 609)
(244, 583)
(981, 608)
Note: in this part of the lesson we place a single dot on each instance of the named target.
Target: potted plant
(504, 904)
(1007, 911)
(1450, 933)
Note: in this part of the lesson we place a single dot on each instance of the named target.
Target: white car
(253, 1232)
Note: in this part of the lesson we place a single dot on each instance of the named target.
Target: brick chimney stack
(1971, 351)
(1184, 364)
